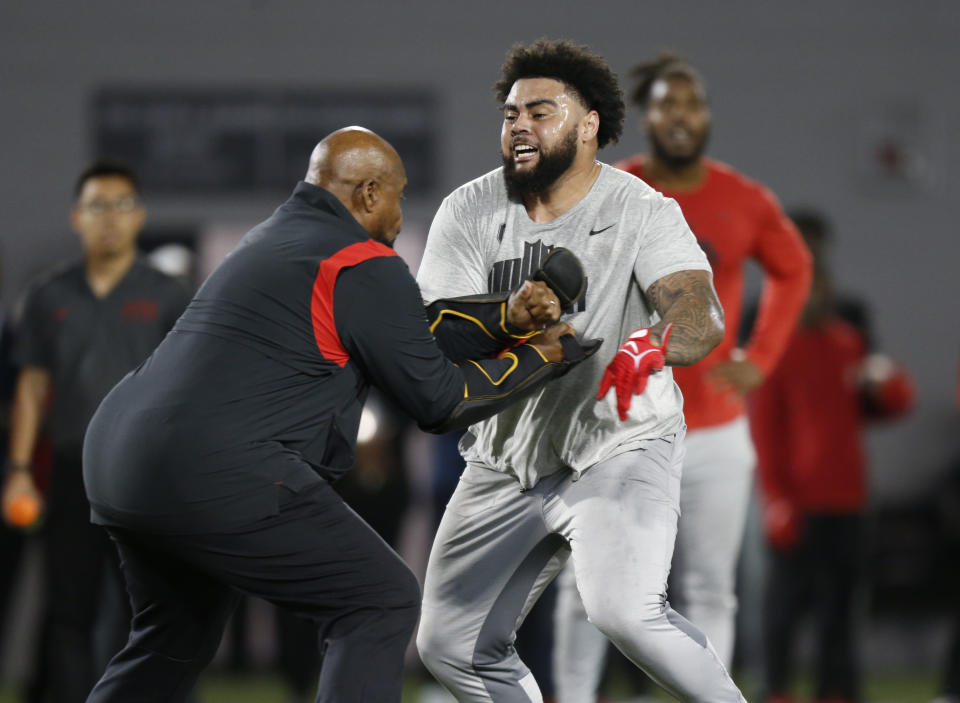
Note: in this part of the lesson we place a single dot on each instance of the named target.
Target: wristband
(12, 468)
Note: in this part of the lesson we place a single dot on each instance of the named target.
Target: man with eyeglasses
(83, 327)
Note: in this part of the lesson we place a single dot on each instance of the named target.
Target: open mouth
(680, 135)
(524, 152)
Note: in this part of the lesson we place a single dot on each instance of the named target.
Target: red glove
(634, 361)
(887, 386)
(782, 524)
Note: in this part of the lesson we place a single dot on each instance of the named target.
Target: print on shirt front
(508, 274)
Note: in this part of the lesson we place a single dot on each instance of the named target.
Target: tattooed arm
(686, 300)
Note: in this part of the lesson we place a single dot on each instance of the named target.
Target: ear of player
(631, 366)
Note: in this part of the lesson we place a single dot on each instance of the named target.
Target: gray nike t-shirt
(627, 236)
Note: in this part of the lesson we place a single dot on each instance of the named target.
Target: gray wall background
(799, 93)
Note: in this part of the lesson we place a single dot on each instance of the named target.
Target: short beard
(677, 162)
(552, 165)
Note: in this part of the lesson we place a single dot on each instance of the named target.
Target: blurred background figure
(807, 422)
(948, 502)
(83, 327)
(12, 539)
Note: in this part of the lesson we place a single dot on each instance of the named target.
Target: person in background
(12, 538)
(83, 327)
(948, 503)
(808, 421)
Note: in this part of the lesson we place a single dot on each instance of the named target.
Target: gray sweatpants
(497, 548)
(715, 491)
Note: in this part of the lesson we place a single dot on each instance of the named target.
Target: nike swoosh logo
(598, 231)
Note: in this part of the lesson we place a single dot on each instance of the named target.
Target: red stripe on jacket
(321, 302)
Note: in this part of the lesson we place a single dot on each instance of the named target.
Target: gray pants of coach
(497, 548)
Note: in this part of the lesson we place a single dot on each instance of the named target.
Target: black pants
(298, 654)
(951, 670)
(822, 572)
(78, 558)
(11, 549)
(316, 558)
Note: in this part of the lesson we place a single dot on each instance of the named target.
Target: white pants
(497, 548)
(715, 492)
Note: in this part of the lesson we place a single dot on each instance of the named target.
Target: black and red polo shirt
(88, 343)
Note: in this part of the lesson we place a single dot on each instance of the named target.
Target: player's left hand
(632, 365)
(533, 306)
(739, 375)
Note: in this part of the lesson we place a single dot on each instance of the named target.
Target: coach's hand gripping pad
(576, 350)
(562, 271)
(519, 372)
(476, 326)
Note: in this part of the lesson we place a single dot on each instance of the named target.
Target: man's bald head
(349, 156)
(364, 173)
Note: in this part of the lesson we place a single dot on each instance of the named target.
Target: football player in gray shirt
(576, 470)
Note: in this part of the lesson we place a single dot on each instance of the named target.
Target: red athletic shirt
(735, 219)
(807, 422)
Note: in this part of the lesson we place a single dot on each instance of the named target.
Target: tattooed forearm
(687, 300)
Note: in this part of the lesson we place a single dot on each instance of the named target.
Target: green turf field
(881, 688)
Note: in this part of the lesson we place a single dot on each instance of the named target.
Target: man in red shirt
(807, 422)
(734, 219)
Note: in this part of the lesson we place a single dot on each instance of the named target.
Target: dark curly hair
(579, 68)
(666, 64)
